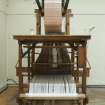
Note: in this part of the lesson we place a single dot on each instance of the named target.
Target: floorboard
(96, 96)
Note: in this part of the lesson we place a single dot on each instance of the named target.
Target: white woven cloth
(54, 85)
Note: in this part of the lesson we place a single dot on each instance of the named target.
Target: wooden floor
(8, 97)
(96, 96)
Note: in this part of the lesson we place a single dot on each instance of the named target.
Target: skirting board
(4, 87)
(95, 86)
(12, 82)
(88, 86)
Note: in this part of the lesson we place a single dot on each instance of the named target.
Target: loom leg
(28, 103)
(73, 102)
(79, 102)
(76, 102)
(34, 103)
(85, 101)
(19, 101)
(53, 102)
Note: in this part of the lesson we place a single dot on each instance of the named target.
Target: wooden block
(81, 56)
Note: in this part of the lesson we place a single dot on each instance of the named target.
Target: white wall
(20, 19)
(87, 14)
(2, 44)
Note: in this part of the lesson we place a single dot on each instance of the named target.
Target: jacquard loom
(52, 68)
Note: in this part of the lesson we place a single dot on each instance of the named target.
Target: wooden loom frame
(77, 43)
(80, 41)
